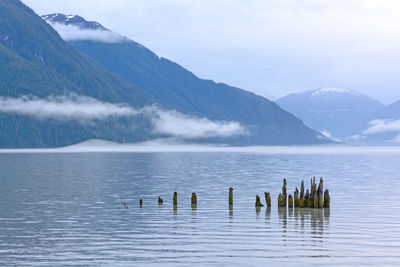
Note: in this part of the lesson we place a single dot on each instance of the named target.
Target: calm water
(65, 209)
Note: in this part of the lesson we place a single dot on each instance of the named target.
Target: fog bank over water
(175, 145)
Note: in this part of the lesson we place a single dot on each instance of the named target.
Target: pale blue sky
(269, 47)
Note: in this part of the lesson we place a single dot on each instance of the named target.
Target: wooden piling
(282, 196)
(141, 203)
(230, 196)
(296, 197)
(175, 199)
(281, 201)
(315, 200)
(321, 193)
(290, 202)
(284, 192)
(194, 199)
(258, 202)
(327, 199)
(267, 199)
(160, 200)
(302, 189)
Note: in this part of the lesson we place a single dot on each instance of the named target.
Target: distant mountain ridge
(176, 88)
(340, 112)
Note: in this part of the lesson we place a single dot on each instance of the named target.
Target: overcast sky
(270, 47)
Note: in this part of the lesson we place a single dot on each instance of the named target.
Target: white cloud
(383, 126)
(86, 109)
(74, 33)
(180, 125)
(329, 135)
(68, 107)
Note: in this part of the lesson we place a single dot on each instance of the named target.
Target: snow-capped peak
(74, 20)
(332, 91)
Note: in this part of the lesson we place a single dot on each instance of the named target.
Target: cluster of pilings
(313, 198)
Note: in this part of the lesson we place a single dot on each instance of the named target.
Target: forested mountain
(35, 61)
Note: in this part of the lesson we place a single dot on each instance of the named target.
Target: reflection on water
(63, 209)
(268, 213)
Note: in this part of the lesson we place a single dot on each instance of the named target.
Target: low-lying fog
(96, 145)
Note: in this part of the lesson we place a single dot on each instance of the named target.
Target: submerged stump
(230, 196)
(194, 199)
(175, 199)
(281, 201)
(290, 203)
(258, 202)
(296, 197)
(267, 199)
(284, 192)
(321, 193)
(282, 196)
(315, 200)
(327, 199)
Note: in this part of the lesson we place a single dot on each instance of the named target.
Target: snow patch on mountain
(326, 92)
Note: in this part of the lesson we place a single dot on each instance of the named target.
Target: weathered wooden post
(175, 199)
(308, 200)
(282, 196)
(302, 189)
(141, 203)
(160, 201)
(312, 195)
(281, 201)
(194, 199)
(258, 202)
(290, 203)
(284, 192)
(315, 200)
(296, 197)
(267, 199)
(230, 196)
(327, 199)
(302, 201)
(321, 193)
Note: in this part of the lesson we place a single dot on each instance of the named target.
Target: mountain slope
(176, 88)
(340, 112)
(32, 48)
(34, 60)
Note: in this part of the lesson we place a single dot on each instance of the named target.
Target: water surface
(65, 209)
